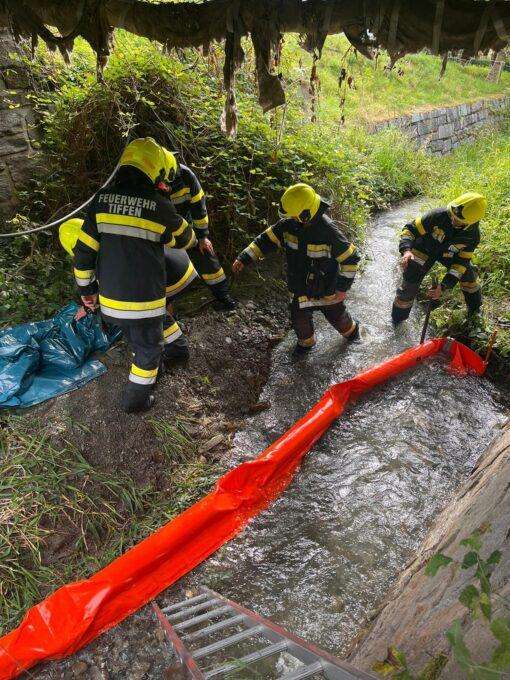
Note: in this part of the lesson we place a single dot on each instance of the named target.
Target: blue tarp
(41, 360)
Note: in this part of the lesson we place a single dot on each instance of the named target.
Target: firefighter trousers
(151, 342)
(210, 271)
(302, 320)
(413, 277)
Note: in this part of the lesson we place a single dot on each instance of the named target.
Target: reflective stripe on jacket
(189, 200)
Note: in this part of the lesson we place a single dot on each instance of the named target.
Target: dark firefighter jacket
(434, 236)
(189, 200)
(320, 260)
(120, 251)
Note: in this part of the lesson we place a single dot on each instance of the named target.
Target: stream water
(324, 554)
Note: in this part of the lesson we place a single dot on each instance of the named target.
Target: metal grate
(200, 613)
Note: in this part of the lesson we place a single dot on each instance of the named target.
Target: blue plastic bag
(41, 360)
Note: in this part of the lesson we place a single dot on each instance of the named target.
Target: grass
(62, 519)
(376, 94)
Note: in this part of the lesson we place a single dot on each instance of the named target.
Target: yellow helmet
(300, 202)
(147, 156)
(468, 208)
(172, 164)
(68, 233)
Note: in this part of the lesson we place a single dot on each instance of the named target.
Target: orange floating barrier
(76, 613)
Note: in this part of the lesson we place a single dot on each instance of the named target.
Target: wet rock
(261, 406)
(11, 144)
(214, 441)
(16, 77)
(80, 669)
(140, 670)
(160, 635)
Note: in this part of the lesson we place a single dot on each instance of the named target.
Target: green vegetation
(62, 519)
(374, 93)
(480, 604)
(179, 101)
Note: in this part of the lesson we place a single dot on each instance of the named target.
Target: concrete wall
(419, 608)
(441, 130)
(17, 133)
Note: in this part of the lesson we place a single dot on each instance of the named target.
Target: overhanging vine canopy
(399, 26)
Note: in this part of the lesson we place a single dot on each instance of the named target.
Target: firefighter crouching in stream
(120, 256)
(447, 235)
(321, 263)
(188, 197)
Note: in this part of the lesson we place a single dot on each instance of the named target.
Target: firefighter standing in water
(321, 263)
(188, 198)
(119, 255)
(447, 235)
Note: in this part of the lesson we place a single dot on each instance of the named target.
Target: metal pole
(427, 315)
(426, 323)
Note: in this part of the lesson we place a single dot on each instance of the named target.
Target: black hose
(55, 223)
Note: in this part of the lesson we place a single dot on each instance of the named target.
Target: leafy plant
(477, 598)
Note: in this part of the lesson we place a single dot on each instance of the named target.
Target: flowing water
(324, 554)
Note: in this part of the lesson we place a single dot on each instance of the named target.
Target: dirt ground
(219, 388)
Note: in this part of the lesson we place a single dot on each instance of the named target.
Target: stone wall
(17, 126)
(441, 130)
(419, 609)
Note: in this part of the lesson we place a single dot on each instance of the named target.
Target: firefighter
(321, 263)
(447, 235)
(119, 262)
(188, 198)
(179, 274)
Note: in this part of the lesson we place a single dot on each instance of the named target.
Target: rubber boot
(137, 398)
(176, 351)
(355, 336)
(301, 350)
(398, 314)
(225, 301)
(473, 303)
